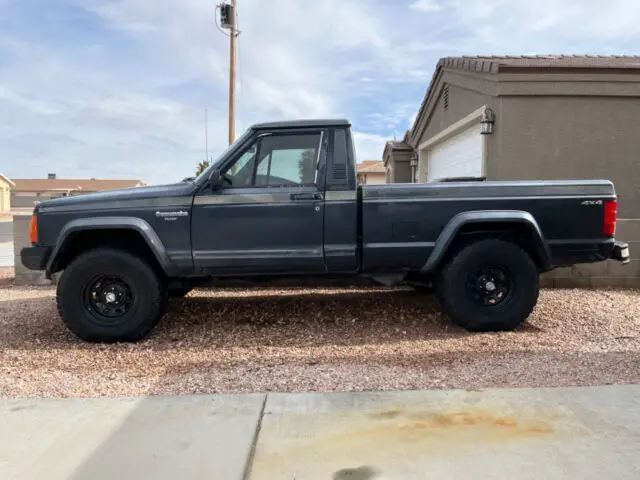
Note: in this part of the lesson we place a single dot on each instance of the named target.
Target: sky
(118, 88)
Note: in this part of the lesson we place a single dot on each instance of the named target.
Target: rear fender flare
(450, 231)
(113, 223)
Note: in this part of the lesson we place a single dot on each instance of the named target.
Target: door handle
(306, 196)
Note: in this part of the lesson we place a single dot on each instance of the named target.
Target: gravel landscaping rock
(321, 339)
(7, 274)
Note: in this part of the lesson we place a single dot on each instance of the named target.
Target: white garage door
(458, 156)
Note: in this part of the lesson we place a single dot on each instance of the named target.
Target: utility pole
(229, 21)
(232, 74)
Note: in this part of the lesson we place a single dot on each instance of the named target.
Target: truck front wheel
(109, 295)
(489, 285)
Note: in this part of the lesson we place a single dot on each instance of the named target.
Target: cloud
(553, 25)
(368, 146)
(118, 88)
(426, 6)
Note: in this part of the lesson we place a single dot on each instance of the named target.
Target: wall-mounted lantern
(487, 121)
(413, 162)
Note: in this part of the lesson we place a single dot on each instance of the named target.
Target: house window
(445, 97)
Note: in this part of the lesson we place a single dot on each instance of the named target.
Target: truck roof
(325, 122)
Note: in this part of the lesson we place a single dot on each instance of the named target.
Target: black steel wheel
(489, 285)
(110, 295)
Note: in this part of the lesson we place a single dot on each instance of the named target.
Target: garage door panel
(458, 156)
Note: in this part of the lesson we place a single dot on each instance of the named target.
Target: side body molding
(450, 231)
(114, 223)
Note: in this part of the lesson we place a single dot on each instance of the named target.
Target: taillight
(33, 229)
(610, 217)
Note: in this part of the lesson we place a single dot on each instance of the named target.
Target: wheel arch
(501, 223)
(75, 229)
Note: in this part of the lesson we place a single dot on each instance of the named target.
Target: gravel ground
(6, 277)
(237, 341)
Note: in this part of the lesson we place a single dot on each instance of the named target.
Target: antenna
(206, 134)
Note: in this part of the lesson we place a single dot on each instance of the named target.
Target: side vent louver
(445, 97)
(340, 172)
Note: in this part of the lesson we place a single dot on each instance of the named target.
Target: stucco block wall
(461, 103)
(603, 274)
(26, 201)
(402, 172)
(571, 138)
(401, 169)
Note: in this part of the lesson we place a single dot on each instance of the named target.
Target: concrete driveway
(6, 243)
(577, 433)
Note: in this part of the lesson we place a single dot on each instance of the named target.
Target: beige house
(5, 194)
(372, 171)
(400, 161)
(534, 118)
(27, 191)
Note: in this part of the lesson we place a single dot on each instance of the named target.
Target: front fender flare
(450, 231)
(113, 223)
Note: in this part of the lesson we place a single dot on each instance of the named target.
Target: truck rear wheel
(109, 295)
(490, 285)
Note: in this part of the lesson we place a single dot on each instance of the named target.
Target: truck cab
(282, 201)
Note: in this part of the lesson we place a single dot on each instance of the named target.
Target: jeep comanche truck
(283, 201)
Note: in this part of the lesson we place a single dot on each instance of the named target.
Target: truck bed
(402, 223)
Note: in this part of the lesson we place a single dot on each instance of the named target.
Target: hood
(125, 194)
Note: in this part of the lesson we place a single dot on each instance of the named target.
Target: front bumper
(35, 258)
(620, 252)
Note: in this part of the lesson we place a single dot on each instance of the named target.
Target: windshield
(207, 171)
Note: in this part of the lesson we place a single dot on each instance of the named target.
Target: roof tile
(549, 61)
(371, 166)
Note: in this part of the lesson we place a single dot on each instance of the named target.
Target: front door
(268, 218)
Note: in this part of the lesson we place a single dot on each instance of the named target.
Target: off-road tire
(179, 292)
(457, 303)
(148, 292)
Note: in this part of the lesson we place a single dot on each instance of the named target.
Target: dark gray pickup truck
(283, 201)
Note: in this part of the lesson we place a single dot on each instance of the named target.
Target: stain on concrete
(19, 408)
(360, 473)
(386, 414)
(398, 435)
(474, 425)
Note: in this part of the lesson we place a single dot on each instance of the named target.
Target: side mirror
(215, 179)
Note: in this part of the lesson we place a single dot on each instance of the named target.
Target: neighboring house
(400, 161)
(5, 196)
(372, 171)
(29, 190)
(537, 117)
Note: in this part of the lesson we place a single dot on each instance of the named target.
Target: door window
(277, 161)
(240, 173)
(288, 160)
